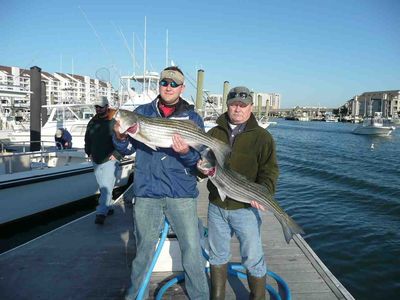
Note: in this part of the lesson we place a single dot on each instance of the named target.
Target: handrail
(38, 154)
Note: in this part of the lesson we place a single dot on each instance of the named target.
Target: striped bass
(158, 132)
(233, 185)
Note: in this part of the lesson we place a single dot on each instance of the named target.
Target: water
(344, 190)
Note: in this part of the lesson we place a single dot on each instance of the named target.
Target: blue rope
(146, 280)
(233, 269)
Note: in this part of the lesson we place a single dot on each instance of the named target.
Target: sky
(312, 52)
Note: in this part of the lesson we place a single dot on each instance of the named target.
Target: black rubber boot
(218, 275)
(257, 287)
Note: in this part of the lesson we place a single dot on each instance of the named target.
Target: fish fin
(221, 194)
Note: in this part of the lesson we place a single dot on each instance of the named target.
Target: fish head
(207, 163)
(127, 120)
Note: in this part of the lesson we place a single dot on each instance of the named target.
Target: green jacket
(253, 155)
(98, 140)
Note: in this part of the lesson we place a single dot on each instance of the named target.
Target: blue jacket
(163, 173)
(65, 138)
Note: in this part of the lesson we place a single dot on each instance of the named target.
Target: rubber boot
(257, 287)
(218, 275)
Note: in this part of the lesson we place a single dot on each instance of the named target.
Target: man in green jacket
(254, 156)
(99, 147)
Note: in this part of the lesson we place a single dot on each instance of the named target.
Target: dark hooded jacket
(253, 156)
(98, 140)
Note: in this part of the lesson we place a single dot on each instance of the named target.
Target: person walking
(99, 147)
(253, 156)
(165, 187)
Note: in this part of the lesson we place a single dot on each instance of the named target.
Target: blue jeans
(105, 175)
(245, 223)
(149, 216)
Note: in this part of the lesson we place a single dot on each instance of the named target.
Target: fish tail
(289, 227)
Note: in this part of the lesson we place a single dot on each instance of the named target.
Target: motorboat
(73, 117)
(34, 182)
(265, 123)
(331, 119)
(374, 126)
(138, 90)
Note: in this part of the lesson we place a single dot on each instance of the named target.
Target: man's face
(239, 112)
(101, 110)
(170, 94)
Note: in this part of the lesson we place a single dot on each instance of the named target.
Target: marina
(349, 219)
(322, 81)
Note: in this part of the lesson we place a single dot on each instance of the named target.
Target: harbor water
(344, 190)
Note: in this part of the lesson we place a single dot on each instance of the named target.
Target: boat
(73, 117)
(331, 119)
(374, 126)
(395, 120)
(34, 182)
(130, 93)
(264, 122)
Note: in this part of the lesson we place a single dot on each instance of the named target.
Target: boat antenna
(133, 53)
(144, 56)
(166, 51)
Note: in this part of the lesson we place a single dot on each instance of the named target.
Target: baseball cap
(239, 93)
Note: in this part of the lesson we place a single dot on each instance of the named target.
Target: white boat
(138, 89)
(265, 123)
(73, 117)
(331, 119)
(374, 126)
(395, 120)
(33, 182)
(208, 124)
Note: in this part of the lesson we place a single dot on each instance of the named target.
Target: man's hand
(257, 205)
(179, 144)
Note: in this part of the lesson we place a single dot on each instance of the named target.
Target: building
(213, 103)
(366, 104)
(59, 87)
(273, 100)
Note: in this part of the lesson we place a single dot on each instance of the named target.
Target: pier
(83, 261)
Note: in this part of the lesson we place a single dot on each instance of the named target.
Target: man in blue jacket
(63, 139)
(165, 187)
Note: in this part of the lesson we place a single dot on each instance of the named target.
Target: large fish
(234, 185)
(158, 132)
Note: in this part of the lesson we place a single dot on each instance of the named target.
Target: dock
(82, 261)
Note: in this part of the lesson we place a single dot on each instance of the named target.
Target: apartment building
(387, 102)
(213, 103)
(59, 87)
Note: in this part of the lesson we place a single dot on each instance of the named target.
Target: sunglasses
(242, 95)
(172, 84)
(100, 107)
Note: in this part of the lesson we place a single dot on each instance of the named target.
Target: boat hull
(30, 192)
(371, 130)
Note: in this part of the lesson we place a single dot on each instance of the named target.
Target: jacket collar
(182, 107)
(250, 124)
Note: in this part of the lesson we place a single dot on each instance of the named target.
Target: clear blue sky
(316, 52)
